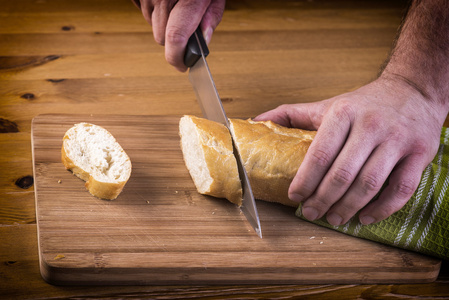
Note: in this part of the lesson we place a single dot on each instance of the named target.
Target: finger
(212, 18)
(324, 149)
(136, 3)
(147, 10)
(340, 177)
(367, 184)
(159, 19)
(403, 182)
(304, 115)
(182, 22)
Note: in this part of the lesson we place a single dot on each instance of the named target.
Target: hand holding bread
(365, 137)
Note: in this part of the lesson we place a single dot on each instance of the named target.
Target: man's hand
(388, 129)
(175, 21)
(384, 130)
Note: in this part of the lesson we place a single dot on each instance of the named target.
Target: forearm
(421, 53)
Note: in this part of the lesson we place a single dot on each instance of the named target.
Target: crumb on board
(59, 256)
(59, 181)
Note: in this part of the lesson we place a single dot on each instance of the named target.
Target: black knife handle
(193, 51)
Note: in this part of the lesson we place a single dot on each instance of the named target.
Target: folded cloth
(422, 225)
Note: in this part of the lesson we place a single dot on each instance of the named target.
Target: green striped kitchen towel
(422, 225)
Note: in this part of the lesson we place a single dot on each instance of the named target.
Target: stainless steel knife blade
(212, 108)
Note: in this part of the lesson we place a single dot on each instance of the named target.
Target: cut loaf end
(208, 155)
(93, 154)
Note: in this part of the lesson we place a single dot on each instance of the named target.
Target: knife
(212, 108)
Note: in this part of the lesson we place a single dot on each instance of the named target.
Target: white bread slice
(93, 154)
(208, 155)
(271, 155)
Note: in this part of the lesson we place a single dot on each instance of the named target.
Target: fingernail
(366, 220)
(208, 34)
(310, 213)
(334, 219)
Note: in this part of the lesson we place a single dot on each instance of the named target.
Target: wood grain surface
(99, 57)
(161, 231)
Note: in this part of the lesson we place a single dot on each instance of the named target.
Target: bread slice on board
(208, 155)
(271, 155)
(93, 154)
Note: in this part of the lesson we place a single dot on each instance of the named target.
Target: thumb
(301, 115)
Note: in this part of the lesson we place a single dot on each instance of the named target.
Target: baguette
(271, 156)
(93, 155)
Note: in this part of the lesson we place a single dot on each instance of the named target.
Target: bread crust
(216, 145)
(271, 155)
(98, 188)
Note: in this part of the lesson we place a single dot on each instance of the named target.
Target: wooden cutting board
(161, 231)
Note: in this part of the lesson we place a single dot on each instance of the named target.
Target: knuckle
(320, 158)
(405, 189)
(342, 177)
(370, 183)
(344, 111)
(372, 122)
(216, 12)
(421, 147)
(176, 36)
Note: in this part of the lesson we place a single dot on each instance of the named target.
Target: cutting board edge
(233, 275)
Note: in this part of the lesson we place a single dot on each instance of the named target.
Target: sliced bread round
(93, 154)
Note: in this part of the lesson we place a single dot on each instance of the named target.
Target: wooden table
(98, 57)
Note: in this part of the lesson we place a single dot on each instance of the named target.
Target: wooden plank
(144, 91)
(145, 81)
(17, 208)
(161, 231)
(58, 6)
(35, 44)
(151, 64)
(20, 142)
(57, 16)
